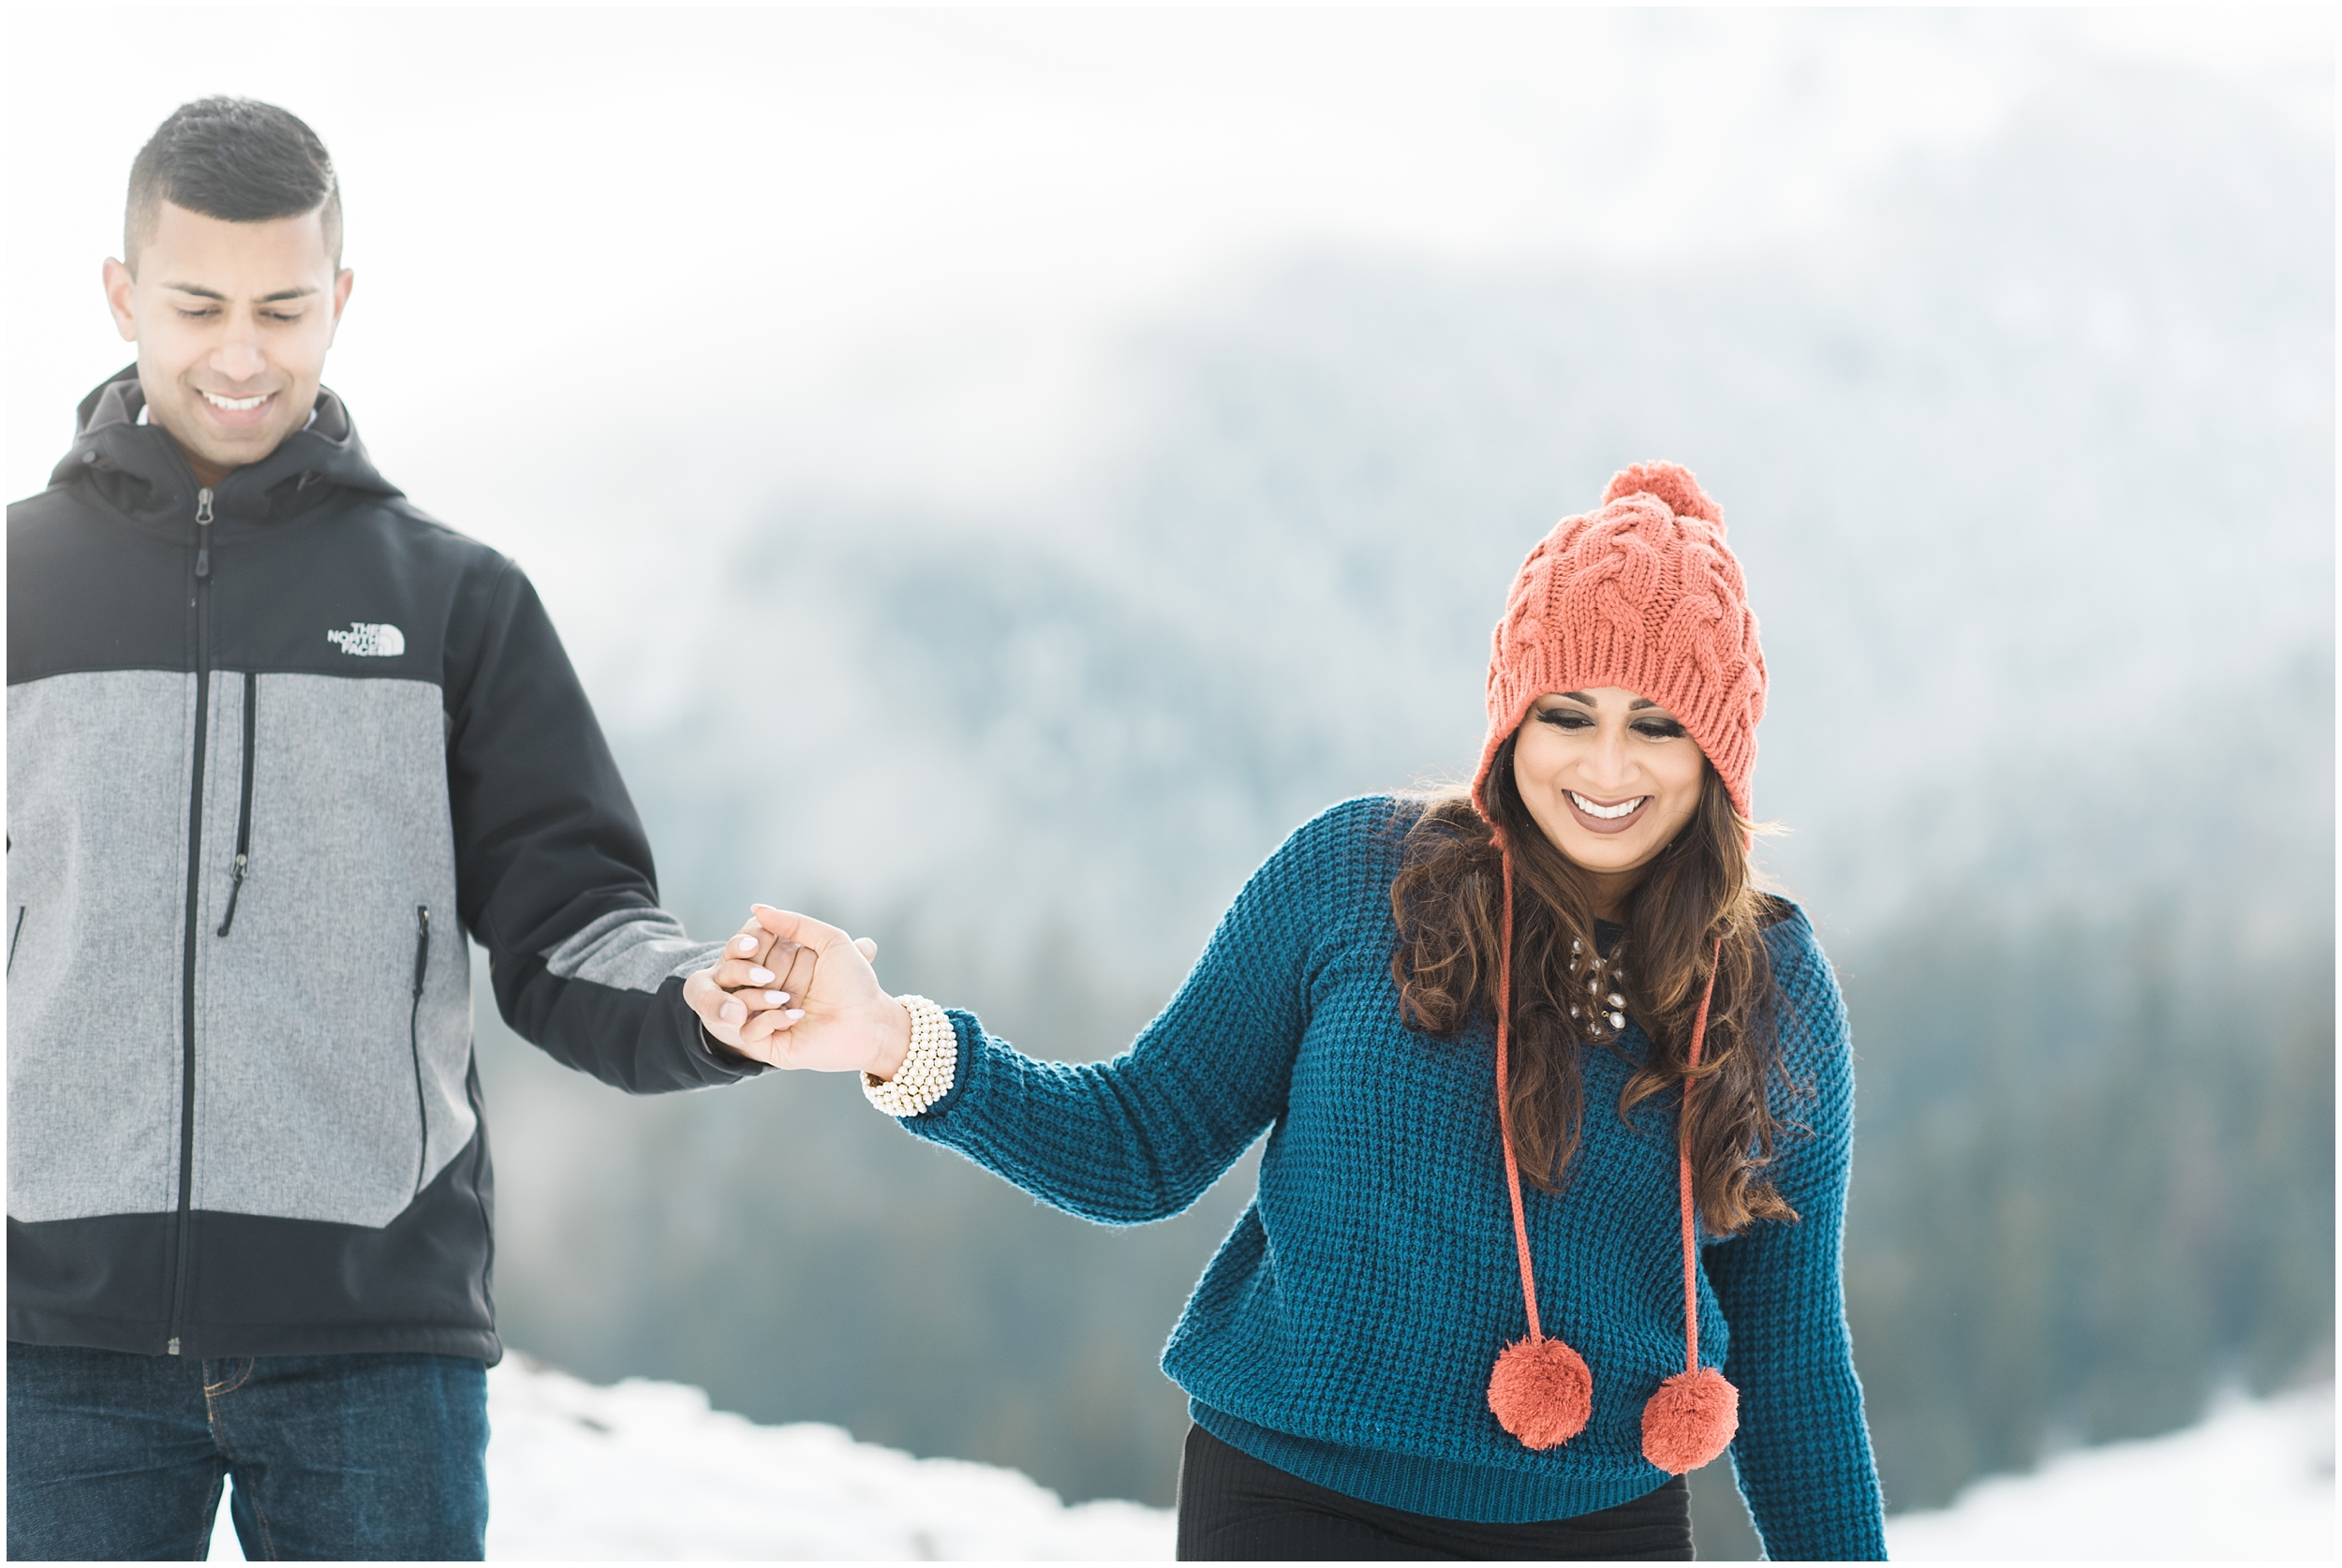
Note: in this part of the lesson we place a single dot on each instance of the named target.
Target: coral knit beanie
(1642, 594)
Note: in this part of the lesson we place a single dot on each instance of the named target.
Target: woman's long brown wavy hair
(1449, 900)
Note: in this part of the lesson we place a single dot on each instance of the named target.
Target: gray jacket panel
(97, 834)
(323, 1069)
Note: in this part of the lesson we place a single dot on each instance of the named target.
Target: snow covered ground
(2253, 1483)
(646, 1469)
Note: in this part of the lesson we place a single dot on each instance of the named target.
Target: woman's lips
(1592, 823)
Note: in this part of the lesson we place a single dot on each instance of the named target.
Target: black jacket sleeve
(553, 873)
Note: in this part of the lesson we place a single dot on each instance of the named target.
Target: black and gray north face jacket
(273, 752)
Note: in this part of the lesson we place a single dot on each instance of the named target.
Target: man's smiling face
(232, 322)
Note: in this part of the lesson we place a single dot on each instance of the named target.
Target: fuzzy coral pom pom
(1670, 482)
(1690, 1420)
(1541, 1392)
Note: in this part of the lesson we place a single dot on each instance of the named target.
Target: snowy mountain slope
(648, 1471)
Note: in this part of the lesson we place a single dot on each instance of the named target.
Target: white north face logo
(370, 640)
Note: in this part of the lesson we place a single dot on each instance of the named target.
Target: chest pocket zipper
(14, 932)
(414, 1037)
(243, 805)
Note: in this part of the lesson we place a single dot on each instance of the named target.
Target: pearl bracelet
(928, 1068)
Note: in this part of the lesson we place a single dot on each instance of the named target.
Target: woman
(1558, 1106)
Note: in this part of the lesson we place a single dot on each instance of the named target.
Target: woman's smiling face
(1610, 777)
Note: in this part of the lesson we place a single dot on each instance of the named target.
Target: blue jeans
(115, 1455)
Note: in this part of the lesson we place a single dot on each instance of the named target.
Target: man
(277, 743)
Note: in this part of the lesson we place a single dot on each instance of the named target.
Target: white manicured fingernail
(732, 1012)
(774, 999)
(745, 944)
(793, 1014)
(760, 977)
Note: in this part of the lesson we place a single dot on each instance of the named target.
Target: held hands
(794, 993)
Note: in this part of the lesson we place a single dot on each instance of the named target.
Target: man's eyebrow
(202, 294)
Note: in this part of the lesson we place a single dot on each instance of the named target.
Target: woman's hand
(794, 993)
(739, 1000)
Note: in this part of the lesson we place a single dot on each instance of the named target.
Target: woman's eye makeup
(1578, 718)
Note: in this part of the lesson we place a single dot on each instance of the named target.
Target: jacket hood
(145, 474)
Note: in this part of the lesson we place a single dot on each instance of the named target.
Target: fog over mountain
(2031, 471)
(2030, 464)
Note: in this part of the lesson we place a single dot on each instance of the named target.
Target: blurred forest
(2031, 467)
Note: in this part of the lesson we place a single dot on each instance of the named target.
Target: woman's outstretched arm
(1138, 1138)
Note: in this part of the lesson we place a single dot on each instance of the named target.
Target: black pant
(1232, 1507)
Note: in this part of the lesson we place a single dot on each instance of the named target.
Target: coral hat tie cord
(1692, 1417)
(1539, 1389)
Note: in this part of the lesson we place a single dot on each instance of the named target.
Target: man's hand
(737, 1021)
(794, 993)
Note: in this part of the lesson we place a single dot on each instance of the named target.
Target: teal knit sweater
(1346, 1329)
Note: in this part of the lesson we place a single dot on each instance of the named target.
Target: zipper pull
(204, 537)
(422, 945)
(236, 890)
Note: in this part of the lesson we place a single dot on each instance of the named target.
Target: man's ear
(120, 286)
(342, 280)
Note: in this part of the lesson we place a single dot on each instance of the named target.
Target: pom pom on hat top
(1642, 594)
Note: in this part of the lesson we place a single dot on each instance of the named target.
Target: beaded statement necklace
(1606, 998)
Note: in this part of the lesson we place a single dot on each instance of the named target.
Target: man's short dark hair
(236, 159)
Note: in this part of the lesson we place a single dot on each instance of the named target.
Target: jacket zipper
(15, 931)
(414, 1036)
(243, 806)
(202, 605)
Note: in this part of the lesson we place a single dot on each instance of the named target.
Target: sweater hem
(1437, 1488)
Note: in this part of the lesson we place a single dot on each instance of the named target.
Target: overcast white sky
(883, 250)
